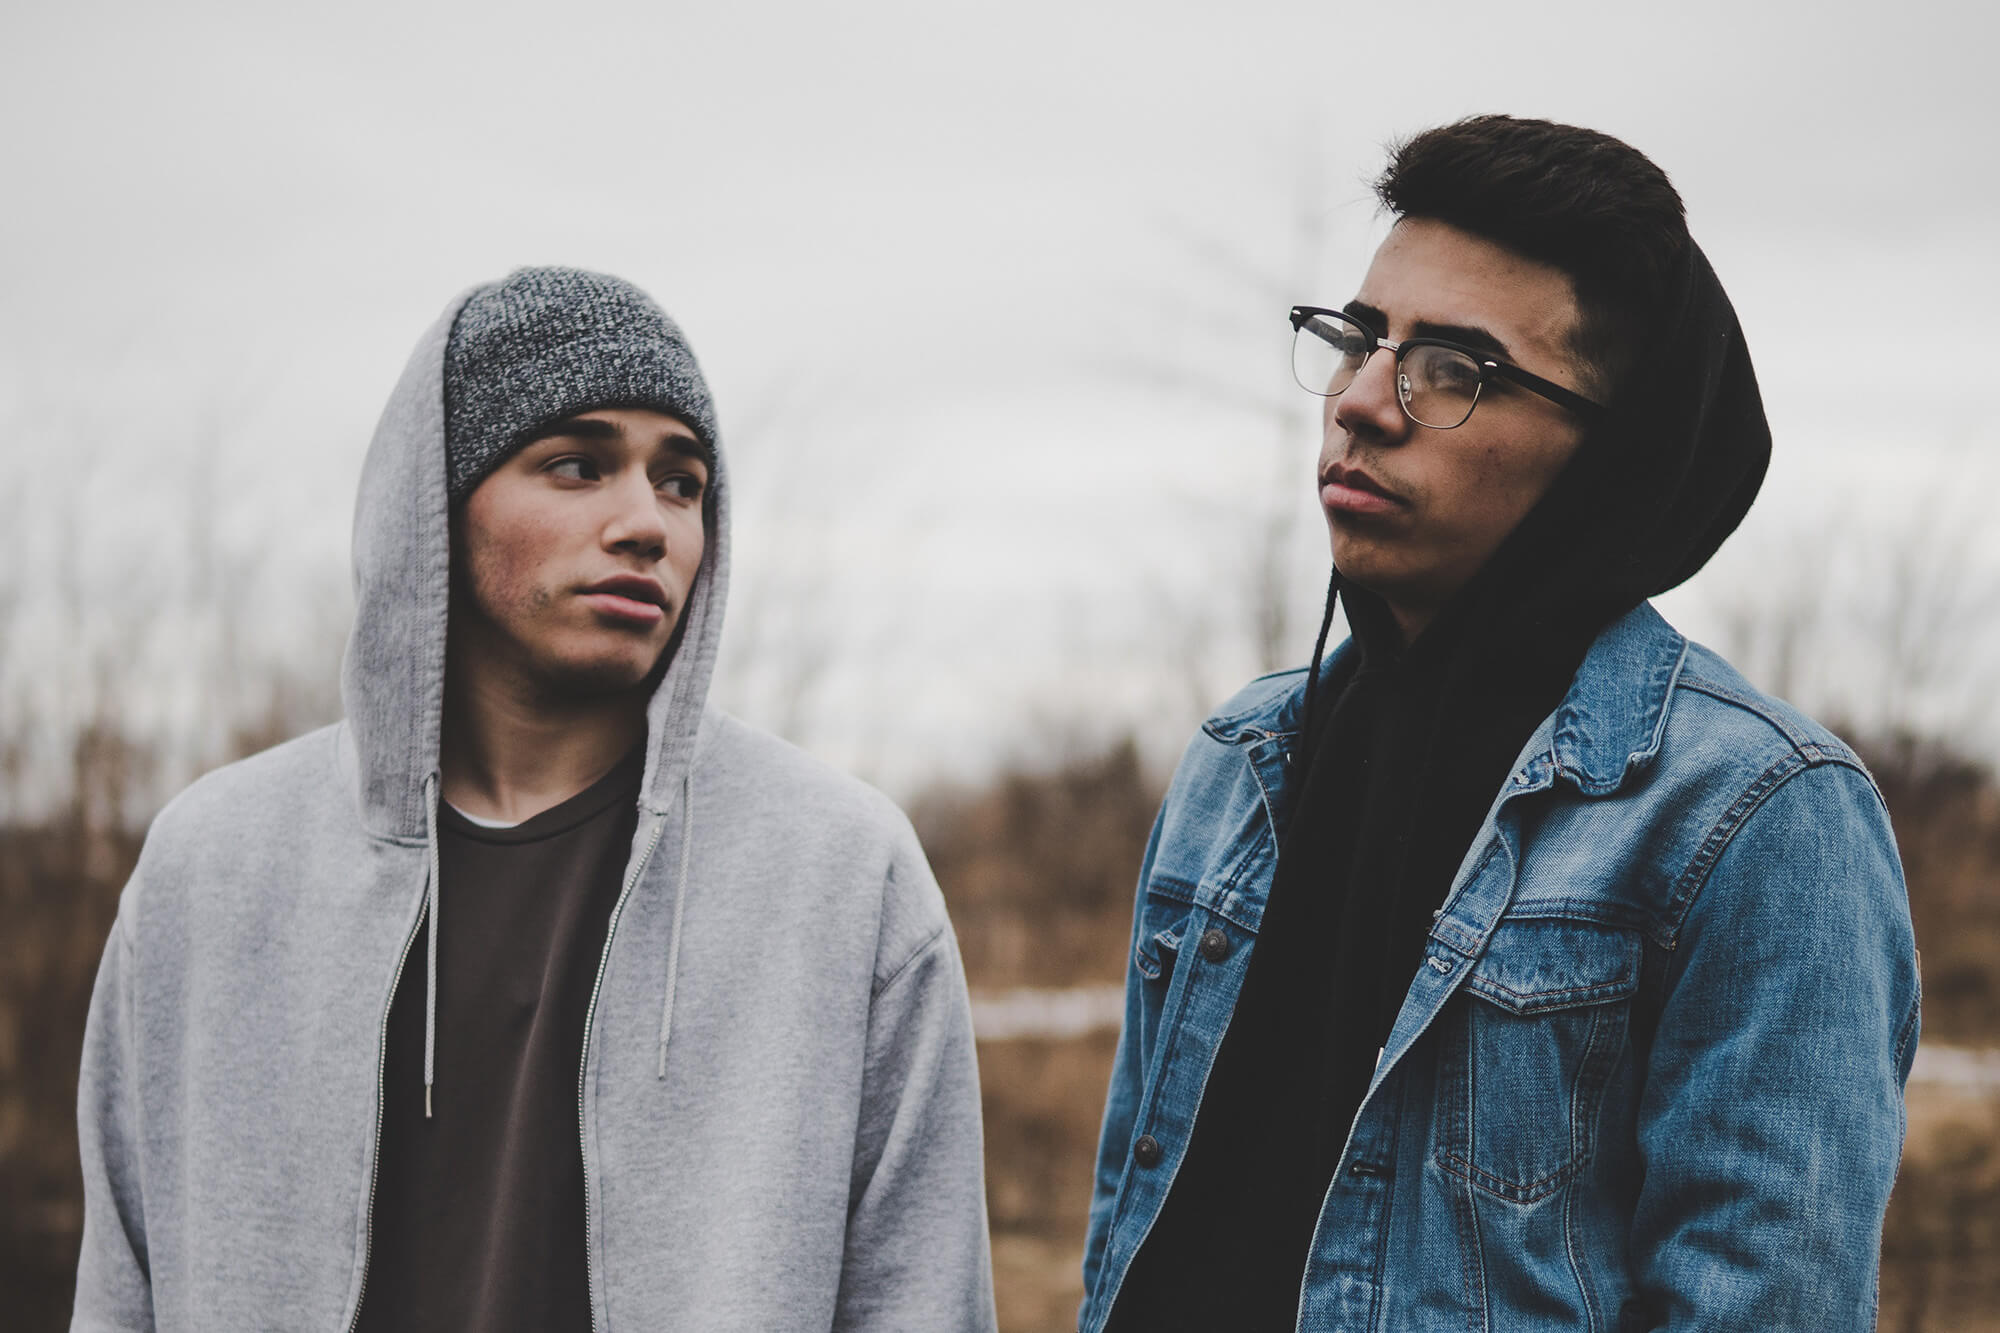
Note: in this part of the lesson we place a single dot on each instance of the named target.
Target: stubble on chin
(594, 680)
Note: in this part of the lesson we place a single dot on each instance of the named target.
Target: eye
(1442, 368)
(682, 485)
(1353, 348)
(572, 467)
(1458, 372)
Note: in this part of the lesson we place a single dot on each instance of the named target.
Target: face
(575, 557)
(1415, 512)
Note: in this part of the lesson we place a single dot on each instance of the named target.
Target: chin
(1383, 578)
(1360, 565)
(598, 675)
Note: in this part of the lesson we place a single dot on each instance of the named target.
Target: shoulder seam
(1750, 704)
(902, 969)
(1802, 758)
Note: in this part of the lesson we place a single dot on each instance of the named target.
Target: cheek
(686, 539)
(504, 563)
(1500, 485)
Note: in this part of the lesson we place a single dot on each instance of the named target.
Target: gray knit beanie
(547, 343)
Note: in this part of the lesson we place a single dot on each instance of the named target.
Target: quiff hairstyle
(1585, 203)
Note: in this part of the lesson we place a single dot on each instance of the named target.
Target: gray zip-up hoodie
(778, 1110)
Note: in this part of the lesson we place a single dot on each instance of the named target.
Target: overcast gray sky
(992, 298)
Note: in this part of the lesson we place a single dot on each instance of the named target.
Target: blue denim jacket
(1649, 1072)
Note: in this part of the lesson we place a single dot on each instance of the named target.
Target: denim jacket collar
(1608, 726)
(1611, 721)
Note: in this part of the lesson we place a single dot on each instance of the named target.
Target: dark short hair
(1585, 203)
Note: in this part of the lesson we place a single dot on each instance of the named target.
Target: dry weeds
(1038, 870)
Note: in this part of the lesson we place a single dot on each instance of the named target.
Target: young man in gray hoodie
(536, 993)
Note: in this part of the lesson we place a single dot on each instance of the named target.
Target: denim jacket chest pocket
(1163, 923)
(1165, 914)
(1530, 1045)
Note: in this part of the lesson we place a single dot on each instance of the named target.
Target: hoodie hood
(1688, 443)
(1659, 483)
(392, 677)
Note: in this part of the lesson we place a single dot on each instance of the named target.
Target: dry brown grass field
(1038, 870)
(1042, 1100)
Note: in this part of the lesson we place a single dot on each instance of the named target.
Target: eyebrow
(592, 428)
(1468, 335)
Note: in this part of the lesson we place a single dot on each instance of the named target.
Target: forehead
(1431, 272)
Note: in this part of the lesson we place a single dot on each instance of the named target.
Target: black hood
(1659, 482)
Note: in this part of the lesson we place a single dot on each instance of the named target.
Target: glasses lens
(1327, 352)
(1439, 386)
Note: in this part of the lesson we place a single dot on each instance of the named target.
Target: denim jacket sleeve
(1121, 1101)
(1771, 1122)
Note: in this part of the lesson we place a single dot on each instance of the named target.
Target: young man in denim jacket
(1520, 966)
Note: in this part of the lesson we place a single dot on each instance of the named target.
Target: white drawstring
(431, 944)
(680, 901)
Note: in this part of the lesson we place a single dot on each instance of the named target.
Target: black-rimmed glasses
(1437, 381)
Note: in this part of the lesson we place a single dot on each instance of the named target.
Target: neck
(511, 750)
(1384, 628)
(1412, 621)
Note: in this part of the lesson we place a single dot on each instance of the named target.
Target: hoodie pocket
(1530, 1045)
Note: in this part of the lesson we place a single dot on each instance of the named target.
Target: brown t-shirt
(478, 1211)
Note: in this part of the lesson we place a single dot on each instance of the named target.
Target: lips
(1349, 490)
(629, 598)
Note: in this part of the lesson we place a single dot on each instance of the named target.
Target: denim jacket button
(1146, 1152)
(1214, 945)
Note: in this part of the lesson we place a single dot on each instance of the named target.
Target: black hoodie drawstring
(1304, 744)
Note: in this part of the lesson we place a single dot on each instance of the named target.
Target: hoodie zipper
(583, 1065)
(381, 1099)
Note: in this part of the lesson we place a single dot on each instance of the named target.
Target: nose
(635, 524)
(1371, 408)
